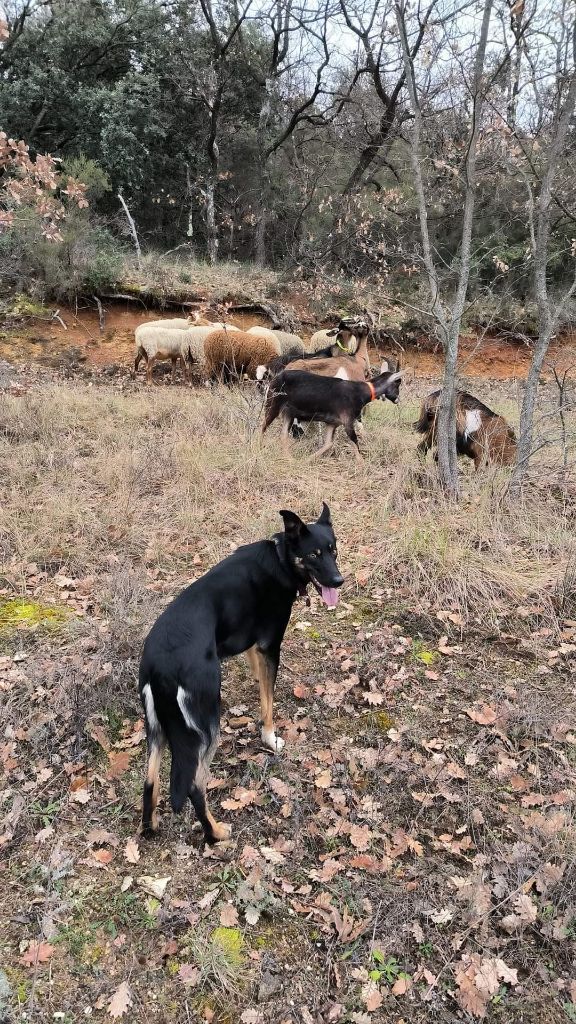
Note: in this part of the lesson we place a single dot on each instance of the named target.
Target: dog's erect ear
(293, 525)
(325, 515)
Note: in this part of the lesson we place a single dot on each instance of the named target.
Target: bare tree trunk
(447, 456)
(133, 231)
(262, 212)
(189, 192)
(539, 225)
(449, 324)
(260, 234)
(210, 221)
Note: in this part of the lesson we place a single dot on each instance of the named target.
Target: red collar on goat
(373, 395)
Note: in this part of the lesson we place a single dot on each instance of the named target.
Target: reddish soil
(82, 340)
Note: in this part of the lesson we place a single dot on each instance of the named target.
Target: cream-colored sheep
(230, 356)
(155, 341)
(290, 344)
(176, 324)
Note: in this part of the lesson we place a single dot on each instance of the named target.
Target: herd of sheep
(218, 350)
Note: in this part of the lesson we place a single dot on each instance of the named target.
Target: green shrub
(87, 259)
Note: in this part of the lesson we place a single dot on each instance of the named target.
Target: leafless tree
(448, 314)
(379, 59)
(540, 203)
(297, 52)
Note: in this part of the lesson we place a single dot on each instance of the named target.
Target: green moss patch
(20, 613)
(231, 942)
(422, 654)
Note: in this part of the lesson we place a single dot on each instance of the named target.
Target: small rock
(5, 994)
(269, 985)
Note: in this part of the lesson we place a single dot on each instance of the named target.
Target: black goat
(296, 394)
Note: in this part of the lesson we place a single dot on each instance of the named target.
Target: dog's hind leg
(214, 831)
(264, 667)
(193, 739)
(151, 786)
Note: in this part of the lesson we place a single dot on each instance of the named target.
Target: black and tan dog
(242, 604)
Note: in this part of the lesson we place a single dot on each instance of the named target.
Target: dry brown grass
(185, 278)
(155, 477)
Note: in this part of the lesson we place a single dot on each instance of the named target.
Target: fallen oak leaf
(401, 985)
(37, 953)
(324, 779)
(360, 837)
(102, 856)
(301, 692)
(372, 996)
(121, 1001)
(329, 868)
(119, 763)
(271, 855)
(483, 715)
(241, 798)
(131, 851)
(228, 916)
(188, 975)
(155, 887)
(280, 788)
(97, 733)
(100, 837)
(445, 649)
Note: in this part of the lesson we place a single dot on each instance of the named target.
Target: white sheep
(289, 344)
(155, 341)
(176, 323)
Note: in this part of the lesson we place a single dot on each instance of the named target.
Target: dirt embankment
(79, 338)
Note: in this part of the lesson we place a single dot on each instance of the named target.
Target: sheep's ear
(325, 519)
(332, 333)
(293, 525)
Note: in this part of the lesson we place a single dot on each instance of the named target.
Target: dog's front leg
(264, 666)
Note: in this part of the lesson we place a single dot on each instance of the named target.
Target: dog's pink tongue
(330, 596)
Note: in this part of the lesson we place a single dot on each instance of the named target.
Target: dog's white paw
(272, 741)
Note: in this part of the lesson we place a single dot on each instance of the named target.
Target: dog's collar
(373, 395)
(280, 545)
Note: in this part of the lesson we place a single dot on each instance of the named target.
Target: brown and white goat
(481, 434)
(344, 366)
